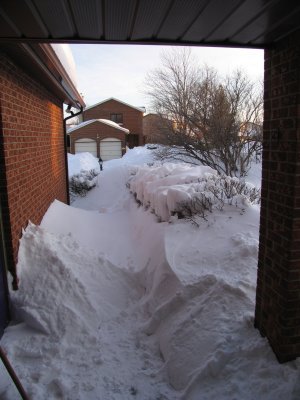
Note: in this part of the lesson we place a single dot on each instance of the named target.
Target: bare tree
(204, 119)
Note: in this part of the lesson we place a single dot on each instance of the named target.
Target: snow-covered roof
(113, 124)
(141, 109)
(102, 121)
(81, 125)
(65, 56)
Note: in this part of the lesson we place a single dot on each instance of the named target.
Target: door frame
(4, 292)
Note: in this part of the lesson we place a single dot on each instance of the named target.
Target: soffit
(245, 23)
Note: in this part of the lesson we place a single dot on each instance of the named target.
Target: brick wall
(278, 286)
(154, 129)
(132, 119)
(97, 131)
(31, 152)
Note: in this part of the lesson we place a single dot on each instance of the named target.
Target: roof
(101, 121)
(140, 109)
(42, 62)
(245, 23)
(151, 114)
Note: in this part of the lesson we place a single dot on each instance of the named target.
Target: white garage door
(110, 148)
(86, 145)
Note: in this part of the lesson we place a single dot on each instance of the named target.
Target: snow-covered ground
(114, 305)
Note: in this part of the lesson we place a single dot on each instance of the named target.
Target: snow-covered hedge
(83, 172)
(81, 183)
(82, 162)
(185, 190)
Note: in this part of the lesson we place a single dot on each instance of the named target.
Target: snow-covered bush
(216, 193)
(80, 184)
(82, 162)
(185, 191)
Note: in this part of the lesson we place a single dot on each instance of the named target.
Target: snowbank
(82, 162)
(113, 304)
(181, 188)
(137, 156)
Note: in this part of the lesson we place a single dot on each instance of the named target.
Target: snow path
(111, 205)
(106, 350)
(110, 221)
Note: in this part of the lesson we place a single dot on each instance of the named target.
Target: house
(101, 137)
(251, 130)
(34, 84)
(156, 128)
(151, 127)
(121, 113)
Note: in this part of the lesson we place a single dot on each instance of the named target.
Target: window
(118, 118)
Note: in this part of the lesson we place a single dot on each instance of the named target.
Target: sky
(120, 71)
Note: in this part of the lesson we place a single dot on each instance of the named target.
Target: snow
(113, 124)
(84, 123)
(114, 305)
(64, 53)
(82, 162)
(169, 188)
(104, 121)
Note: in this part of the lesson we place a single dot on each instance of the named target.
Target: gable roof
(150, 115)
(140, 109)
(101, 121)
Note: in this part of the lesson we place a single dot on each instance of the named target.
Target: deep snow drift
(114, 305)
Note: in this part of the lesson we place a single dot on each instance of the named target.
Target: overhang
(244, 23)
(41, 61)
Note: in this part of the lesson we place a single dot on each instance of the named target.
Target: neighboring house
(153, 128)
(157, 128)
(101, 137)
(250, 130)
(33, 87)
(121, 113)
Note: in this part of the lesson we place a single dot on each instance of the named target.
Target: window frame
(117, 118)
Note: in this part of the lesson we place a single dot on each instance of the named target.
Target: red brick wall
(98, 132)
(31, 152)
(132, 119)
(153, 129)
(278, 286)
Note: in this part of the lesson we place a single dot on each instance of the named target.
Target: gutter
(45, 59)
(66, 145)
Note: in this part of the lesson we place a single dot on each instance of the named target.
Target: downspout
(66, 145)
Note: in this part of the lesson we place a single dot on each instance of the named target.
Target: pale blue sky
(119, 71)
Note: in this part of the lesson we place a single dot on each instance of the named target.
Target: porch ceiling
(245, 23)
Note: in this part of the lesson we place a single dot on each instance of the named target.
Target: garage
(86, 145)
(100, 137)
(110, 148)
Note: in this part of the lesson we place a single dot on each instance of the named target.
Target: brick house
(33, 87)
(101, 137)
(155, 128)
(150, 124)
(124, 114)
